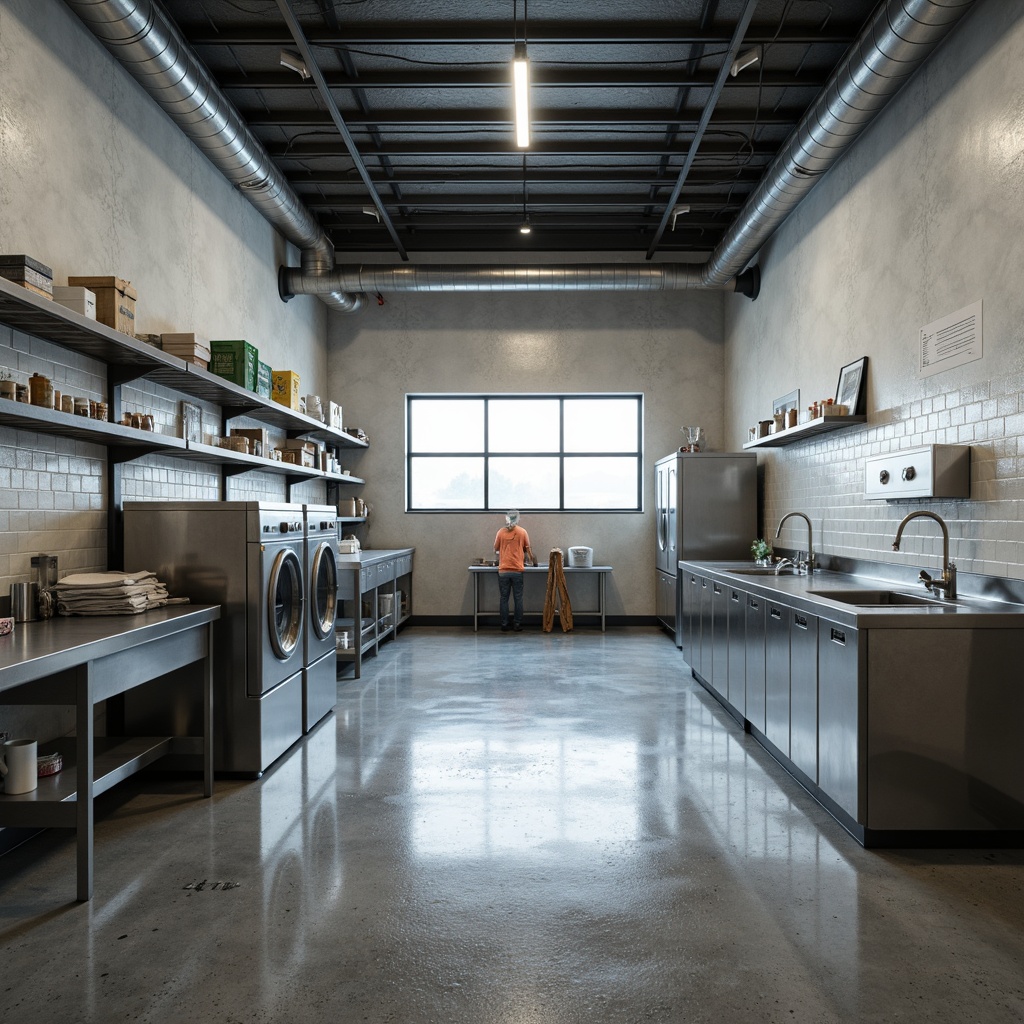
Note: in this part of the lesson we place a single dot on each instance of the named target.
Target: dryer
(320, 653)
(248, 557)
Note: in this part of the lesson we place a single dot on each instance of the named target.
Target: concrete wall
(666, 346)
(96, 180)
(923, 217)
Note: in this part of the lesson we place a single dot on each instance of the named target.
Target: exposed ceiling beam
(354, 204)
(496, 32)
(456, 176)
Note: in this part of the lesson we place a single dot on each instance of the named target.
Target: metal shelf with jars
(820, 425)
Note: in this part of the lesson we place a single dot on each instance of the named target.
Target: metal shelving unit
(822, 425)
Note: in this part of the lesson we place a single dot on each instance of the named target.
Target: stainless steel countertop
(39, 649)
(794, 591)
(373, 555)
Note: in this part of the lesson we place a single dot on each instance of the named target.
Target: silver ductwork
(150, 47)
(891, 48)
(899, 38)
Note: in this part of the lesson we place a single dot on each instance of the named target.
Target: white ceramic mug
(18, 766)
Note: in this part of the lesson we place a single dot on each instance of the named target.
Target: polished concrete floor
(507, 828)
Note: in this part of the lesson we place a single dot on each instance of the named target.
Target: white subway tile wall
(53, 490)
(825, 479)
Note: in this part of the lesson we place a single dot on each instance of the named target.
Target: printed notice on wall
(952, 341)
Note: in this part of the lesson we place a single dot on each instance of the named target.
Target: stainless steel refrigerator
(706, 508)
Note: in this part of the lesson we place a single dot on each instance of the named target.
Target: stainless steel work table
(81, 661)
(476, 571)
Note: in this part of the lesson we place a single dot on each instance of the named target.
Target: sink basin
(763, 571)
(876, 597)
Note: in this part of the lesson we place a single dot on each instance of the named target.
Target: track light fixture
(676, 211)
(295, 63)
(744, 60)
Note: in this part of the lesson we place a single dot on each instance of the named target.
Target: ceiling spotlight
(295, 63)
(676, 211)
(744, 60)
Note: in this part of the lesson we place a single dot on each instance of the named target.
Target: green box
(235, 361)
(263, 379)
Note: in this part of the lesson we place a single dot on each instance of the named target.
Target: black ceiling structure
(642, 140)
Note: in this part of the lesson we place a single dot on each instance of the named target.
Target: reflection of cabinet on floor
(375, 598)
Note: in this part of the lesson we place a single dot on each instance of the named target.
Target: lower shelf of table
(115, 758)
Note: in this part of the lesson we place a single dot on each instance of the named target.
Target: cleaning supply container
(581, 558)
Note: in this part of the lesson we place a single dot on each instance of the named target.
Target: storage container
(78, 299)
(581, 558)
(285, 389)
(115, 301)
(188, 347)
(264, 379)
(235, 360)
(29, 273)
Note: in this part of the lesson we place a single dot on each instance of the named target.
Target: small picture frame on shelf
(787, 402)
(851, 393)
(191, 422)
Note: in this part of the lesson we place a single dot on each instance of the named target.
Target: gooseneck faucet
(947, 585)
(810, 536)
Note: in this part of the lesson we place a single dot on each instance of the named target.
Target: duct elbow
(292, 281)
(749, 282)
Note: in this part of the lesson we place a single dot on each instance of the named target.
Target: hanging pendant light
(525, 228)
(521, 83)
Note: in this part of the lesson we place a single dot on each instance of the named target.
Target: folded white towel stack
(112, 593)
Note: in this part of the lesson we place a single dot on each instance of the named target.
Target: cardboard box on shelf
(259, 435)
(299, 445)
(298, 457)
(28, 272)
(115, 301)
(81, 300)
(264, 379)
(235, 360)
(285, 389)
(334, 415)
(188, 347)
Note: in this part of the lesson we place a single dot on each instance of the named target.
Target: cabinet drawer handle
(800, 620)
(838, 637)
(718, 589)
(753, 604)
(735, 596)
(776, 613)
(703, 584)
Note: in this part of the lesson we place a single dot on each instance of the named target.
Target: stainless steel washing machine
(320, 654)
(248, 557)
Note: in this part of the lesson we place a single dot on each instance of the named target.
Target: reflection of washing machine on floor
(247, 557)
(320, 654)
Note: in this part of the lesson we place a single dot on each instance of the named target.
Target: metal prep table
(476, 571)
(82, 660)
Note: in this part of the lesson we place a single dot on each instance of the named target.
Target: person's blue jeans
(510, 582)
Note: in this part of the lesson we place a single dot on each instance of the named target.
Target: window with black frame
(534, 452)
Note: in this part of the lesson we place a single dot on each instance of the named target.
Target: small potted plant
(762, 552)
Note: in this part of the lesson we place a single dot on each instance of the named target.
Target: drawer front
(367, 578)
(403, 565)
(385, 571)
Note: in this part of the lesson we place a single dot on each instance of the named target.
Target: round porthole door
(323, 586)
(284, 604)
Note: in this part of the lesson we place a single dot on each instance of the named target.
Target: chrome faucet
(947, 585)
(810, 536)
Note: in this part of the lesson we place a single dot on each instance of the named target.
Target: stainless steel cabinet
(803, 693)
(737, 637)
(690, 617)
(841, 684)
(665, 600)
(719, 677)
(776, 676)
(753, 662)
(703, 666)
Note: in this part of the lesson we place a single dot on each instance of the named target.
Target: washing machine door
(323, 591)
(284, 603)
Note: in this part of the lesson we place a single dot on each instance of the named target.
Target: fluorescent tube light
(521, 83)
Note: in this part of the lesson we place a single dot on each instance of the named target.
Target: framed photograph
(850, 391)
(787, 402)
(191, 422)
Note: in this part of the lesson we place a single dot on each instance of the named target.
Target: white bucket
(581, 558)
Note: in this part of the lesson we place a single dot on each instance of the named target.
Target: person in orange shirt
(512, 546)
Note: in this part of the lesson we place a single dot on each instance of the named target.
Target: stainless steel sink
(763, 571)
(876, 597)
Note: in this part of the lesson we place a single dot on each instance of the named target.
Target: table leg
(600, 595)
(208, 714)
(476, 597)
(84, 771)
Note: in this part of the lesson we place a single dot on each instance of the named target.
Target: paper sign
(952, 341)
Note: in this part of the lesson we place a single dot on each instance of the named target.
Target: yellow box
(285, 388)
